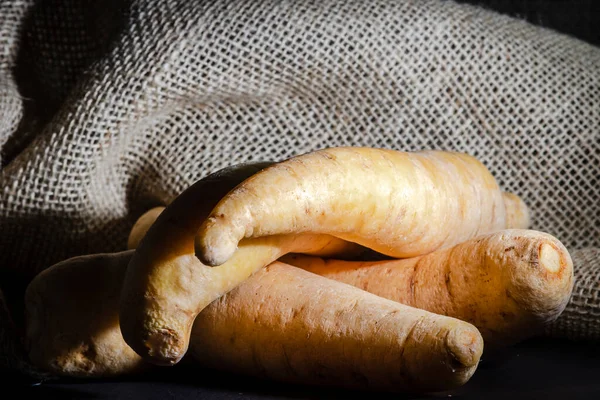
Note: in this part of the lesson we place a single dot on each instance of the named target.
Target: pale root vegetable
(72, 319)
(142, 225)
(166, 286)
(282, 323)
(517, 212)
(517, 217)
(290, 325)
(400, 204)
(509, 284)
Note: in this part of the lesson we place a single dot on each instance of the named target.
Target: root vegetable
(397, 203)
(72, 319)
(283, 323)
(290, 325)
(517, 217)
(142, 225)
(517, 212)
(166, 286)
(508, 284)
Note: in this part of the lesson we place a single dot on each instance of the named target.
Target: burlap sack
(108, 108)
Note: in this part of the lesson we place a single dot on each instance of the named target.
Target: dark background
(577, 18)
(536, 369)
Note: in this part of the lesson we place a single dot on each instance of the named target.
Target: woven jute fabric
(109, 108)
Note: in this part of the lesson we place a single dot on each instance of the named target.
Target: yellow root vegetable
(517, 217)
(517, 212)
(290, 325)
(72, 318)
(508, 284)
(166, 286)
(142, 225)
(282, 323)
(397, 203)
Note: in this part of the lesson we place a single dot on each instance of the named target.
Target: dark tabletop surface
(536, 369)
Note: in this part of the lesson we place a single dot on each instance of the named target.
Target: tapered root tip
(164, 347)
(214, 247)
(465, 346)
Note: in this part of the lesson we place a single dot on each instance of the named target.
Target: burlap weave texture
(109, 108)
